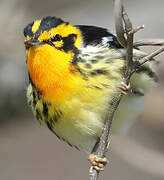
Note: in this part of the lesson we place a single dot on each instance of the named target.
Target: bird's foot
(124, 88)
(97, 162)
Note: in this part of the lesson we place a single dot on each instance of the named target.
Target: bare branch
(125, 17)
(147, 58)
(149, 42)
(119, 23)
(129, 47)
(120, 17)
(137, 29)
(102, 147)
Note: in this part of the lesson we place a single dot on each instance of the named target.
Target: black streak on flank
(98, 72)
(55, 118)
(45, 109)
(50, 126)
(81, 60)
(76, 57)
(97, 87)
(99, 57)
(38, 115)
(149, 72)
(39, 95)
(34, 98)
(105, 85)
(94, 61)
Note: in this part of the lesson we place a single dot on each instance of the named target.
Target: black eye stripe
(57, 37)
(50, 43)
(68, 42)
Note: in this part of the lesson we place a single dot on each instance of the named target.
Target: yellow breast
(52, 73)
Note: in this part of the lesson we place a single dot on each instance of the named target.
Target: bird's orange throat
(52, 72)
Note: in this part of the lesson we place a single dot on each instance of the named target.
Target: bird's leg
(124, 88)
(97, 162)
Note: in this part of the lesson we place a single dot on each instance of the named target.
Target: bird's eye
(57, 37)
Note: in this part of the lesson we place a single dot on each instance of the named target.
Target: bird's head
(54, 32)
(51, 46)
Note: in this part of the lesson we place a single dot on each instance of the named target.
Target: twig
(102, 147)
(101, 150)
(147, 58)
(131, 67)
(119, 23)
(149, 42)
(129, 44)
(137, 29)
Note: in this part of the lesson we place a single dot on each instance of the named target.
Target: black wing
(95, 35)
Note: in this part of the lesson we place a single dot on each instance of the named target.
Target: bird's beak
(32, 42)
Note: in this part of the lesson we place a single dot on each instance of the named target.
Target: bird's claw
(97, 162)
(124, 88)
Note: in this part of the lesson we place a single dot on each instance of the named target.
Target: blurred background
(29, 151)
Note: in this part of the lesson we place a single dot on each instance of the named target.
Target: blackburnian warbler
(74, 72)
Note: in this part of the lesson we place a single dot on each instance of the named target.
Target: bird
(74, 73)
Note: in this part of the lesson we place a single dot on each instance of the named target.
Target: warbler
(74, 73)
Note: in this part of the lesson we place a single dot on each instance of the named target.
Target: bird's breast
(52, 73)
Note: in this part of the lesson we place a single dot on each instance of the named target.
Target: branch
(138, 63)
(119, 14)
(131, 66)
(102, 147)
(118, 9)
(149, 42)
